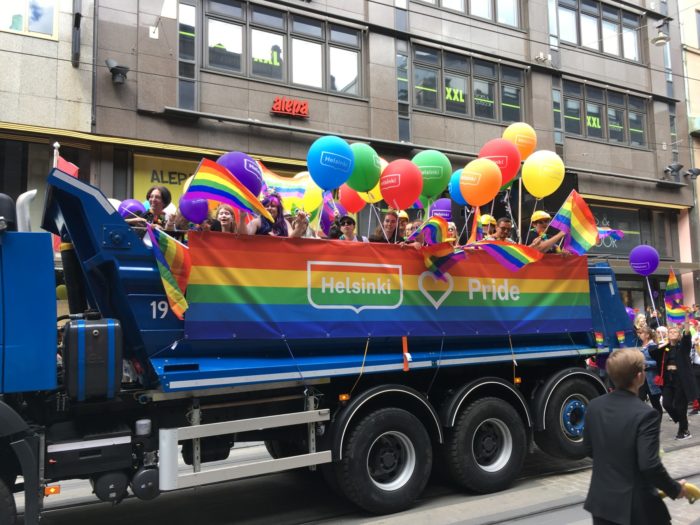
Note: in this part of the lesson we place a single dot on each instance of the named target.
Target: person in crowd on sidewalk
(387, 231)
(621, 434)
(649, 349)
(503, 228)
(640, 321)
(678, 382)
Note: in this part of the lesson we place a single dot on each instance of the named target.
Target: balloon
(543, 173)
(350, 199)
(372, 196)
(453, 187)
(523, 136)
(330, 161)
(480, 181)
(630, 313)
(505, 155)
(195, 210)
(244, 168)
(313, 197)
(436, 170)
(131, 208)
(442, 208)
(367, 168)
(644, 259)
(401, 184)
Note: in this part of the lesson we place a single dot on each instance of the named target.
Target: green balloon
(367, 168)
(425, 201)
(436, 170)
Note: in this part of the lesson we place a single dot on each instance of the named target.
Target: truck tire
(563, 419)
(284, 449)
(485, 449)
(8, 511)
(386, 461)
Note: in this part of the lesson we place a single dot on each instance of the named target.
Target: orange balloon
(523, 136)
(480, 181)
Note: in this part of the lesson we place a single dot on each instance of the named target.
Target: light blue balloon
(453, 188)
(330, 161)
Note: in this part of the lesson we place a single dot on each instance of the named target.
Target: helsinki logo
(334, 161)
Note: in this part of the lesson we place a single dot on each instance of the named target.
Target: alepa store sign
(271, 288)
(152, 171)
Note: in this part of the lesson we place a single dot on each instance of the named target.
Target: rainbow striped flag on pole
(477, 228)
(214, 182)
(509, 255)
(174, 265)
(673, 298)
(576, 220)
(435, 230)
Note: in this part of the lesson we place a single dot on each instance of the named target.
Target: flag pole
(56, 147)
(527, 238)
(651, 296)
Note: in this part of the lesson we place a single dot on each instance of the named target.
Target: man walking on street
(621, 434)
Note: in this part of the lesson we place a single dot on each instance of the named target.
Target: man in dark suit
(621, 434)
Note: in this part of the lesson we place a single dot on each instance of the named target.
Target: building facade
(268, 78)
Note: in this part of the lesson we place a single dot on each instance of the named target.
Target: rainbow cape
(477, 228)
(213, 182)
(291, 190)
(439, 258)
(435, 230)
(509, 255)
(174, 265)
(576, 220)
(673, 298)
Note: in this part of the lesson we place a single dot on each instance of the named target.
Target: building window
(468, 86)
(31, 17)
(186, 94)
(262, 42)
(601, 114)
(674, 132)
(506, 12)
(601, 27)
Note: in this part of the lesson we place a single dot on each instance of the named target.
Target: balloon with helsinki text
(350, 199)
(330, 162)
(506, 156)
(366, 169)
(401, 183)
(436, 170)
(130, 208)
(244, 168)
(441, 208)
(644, 259)
(453, 188)
(194, 209)
(543, 173)
(480, 181)
(523, 136)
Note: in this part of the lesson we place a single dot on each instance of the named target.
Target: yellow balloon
(543, 173)
(371, 196)
(523, 136)
(313, 197)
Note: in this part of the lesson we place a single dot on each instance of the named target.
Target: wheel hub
(492, 445)
(572, 417)
(391, 460)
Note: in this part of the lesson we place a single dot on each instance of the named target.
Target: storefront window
(484, 106)
(572, 116)
(267, 53)
(626, 220)
(594, 120)
(345, 71)
(307, 67)
(225, 45)
(456, 95)
(425, 85)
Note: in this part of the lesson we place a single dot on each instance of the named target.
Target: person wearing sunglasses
(347, 229)
(503, 228)
(543, 242)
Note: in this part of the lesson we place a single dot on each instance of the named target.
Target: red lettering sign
(290, 107)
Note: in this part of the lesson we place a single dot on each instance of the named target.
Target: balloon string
(527, 239)
(467, 214)
(379, 219)
(651, 295)
(509, 211)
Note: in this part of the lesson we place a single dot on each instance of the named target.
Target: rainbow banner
(576, 220)
(260, 287)
(435, 230)
(291, 190)
(509, 255)
(439, 258)
(174, 264)
(213, 182)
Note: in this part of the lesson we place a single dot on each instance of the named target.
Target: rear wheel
(386, 462)
(486, 448)
(8, 511)
(563, 419)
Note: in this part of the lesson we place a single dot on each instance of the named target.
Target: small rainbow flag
(291, 190)
(439, 258)
(434, 230)
(174, 265)
(509, 255)
(576, 220)
(673, 298)
(477, 229)
(213, 182)
(621, 338)
(604, 233)
(599, 339)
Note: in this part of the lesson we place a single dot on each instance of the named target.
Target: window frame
(25, 23)
(466, 9)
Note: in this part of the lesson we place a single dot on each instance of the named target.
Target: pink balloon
(401, 183)
(506, 156)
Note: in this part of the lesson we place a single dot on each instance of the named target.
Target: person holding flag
(543, 242)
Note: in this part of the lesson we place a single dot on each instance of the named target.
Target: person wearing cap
(488, 224)
(401, 228)
(542, 242)
(347, 228)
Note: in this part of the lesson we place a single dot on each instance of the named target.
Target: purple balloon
(194, 209)
(442, 208)
(130, 208)
(630, 313)
(244, 168)
(644, 259)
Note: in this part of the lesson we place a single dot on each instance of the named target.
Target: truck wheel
(284, 449)
(486, 448)
(386, 462)
(8, 511)
(563, 419)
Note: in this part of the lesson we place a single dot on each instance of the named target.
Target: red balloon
(350, 199)
(401, 183)
(506, 156)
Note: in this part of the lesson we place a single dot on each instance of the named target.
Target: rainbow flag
(613, 234)
(477, 228)
(510, 255)
(673, 299)
(174, 265)
(620, 338)
(599, 339)
(434, 229)
(213, 182)
(291, 190)
(575, 218)
(439, 258)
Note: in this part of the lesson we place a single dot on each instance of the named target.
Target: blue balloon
(454, 190)
(330, 161)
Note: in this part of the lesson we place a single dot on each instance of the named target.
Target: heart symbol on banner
(435, 281)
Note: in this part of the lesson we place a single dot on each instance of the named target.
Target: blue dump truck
(348, 359)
